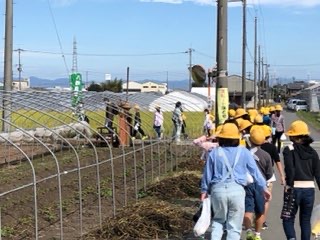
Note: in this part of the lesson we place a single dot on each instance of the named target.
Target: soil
(164, 210)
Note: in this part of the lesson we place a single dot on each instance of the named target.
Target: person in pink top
(277, 124)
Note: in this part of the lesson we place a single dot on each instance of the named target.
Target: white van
(301, 105)
(292, 103)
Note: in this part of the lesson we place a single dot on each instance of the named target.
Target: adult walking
(224, 177)
(158, 121)
(137, 124)
(302, 166)
(277, 124)
(177, 122)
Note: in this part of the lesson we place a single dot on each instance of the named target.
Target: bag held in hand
(204, 220)
(288, 204)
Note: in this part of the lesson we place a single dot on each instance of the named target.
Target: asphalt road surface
(275, 230)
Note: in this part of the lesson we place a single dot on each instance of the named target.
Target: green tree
(94, 87)
(113, 85)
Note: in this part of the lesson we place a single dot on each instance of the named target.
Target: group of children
(242, 152)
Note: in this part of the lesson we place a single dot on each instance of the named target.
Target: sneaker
(257, 238)
(144, 137)
(250, 235)
(133, 138)
(265, 226)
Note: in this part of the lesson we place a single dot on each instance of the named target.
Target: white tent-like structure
(190, 102)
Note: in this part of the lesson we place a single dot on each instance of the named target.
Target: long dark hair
(305, 140)
(228, 142)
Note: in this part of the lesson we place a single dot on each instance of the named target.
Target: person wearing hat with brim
(277, 124)
(158, 121)
(137, 124)
(302, 169)
(177, 122)
(275, 157)
(224, 178)
(245, 127)
(241, 113)
(254, 200)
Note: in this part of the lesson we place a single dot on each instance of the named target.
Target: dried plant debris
(147, 219)
(178, 187)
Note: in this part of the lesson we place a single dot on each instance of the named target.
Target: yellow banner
(223, 104)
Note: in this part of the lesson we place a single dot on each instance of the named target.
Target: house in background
(312, 96)
(21, 85)
(293, 89)
(149, 86)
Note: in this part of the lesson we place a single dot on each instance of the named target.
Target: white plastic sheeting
(66, 131)
(190, 102)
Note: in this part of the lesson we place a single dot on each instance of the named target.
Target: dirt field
(133, 169)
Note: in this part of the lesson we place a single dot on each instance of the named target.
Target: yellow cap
(229, 130)
(240, 112)
(245, 124)
(232, 112)
(218, 129)
(257, 136)
(258, 119)
(278, 108)
(298, 128)
(272, 109)
(266, 130)
(261, 110)
(266, 111)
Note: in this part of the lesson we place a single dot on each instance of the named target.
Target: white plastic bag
(283, 137)
(204, 221)
(315, 221)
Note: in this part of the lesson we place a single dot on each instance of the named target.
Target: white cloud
(293, 3)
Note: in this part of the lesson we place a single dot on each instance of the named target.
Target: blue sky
(152, 37)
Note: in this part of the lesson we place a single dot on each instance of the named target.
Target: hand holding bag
(204, 220)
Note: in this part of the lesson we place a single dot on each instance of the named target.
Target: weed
(6, 231)
(48, 214)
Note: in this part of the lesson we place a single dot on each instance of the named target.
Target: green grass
(310, 118)
(31, 119)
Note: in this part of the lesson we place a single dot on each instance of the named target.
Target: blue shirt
(216, 170)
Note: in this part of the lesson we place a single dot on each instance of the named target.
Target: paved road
(275, 231)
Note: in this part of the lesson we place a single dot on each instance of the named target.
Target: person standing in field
(137, 124)
(111, 111)
(158, 121)
(177, 122)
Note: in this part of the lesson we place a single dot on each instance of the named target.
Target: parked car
(301, 105)
(292, 103)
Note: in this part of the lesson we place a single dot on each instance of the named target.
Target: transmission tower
(74, 56)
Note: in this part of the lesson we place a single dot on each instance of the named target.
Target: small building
(292, 89)
(149, 86)
(235, 89)
(312, 96)
(21, 85)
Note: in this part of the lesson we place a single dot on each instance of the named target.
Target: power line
(109, 55)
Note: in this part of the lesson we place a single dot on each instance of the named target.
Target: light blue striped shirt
(216, 170)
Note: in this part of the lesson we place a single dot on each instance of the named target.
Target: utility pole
(87, 77)
(255, 62)
(244, 44)
(267, 83)
(190, 67)
(7, 79)
(263, 81)
(222, 95)
(19, 66)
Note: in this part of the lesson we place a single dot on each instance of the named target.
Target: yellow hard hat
(245, 124)
(266, 111)
(261, 110)
(218, 129)
(240, 112)
(256, 136)
(229, 130)
(272, 109)
(298, 128)
(278, 108)
(239, 120)
(258, 119)
(232, 112)
(266, 130)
